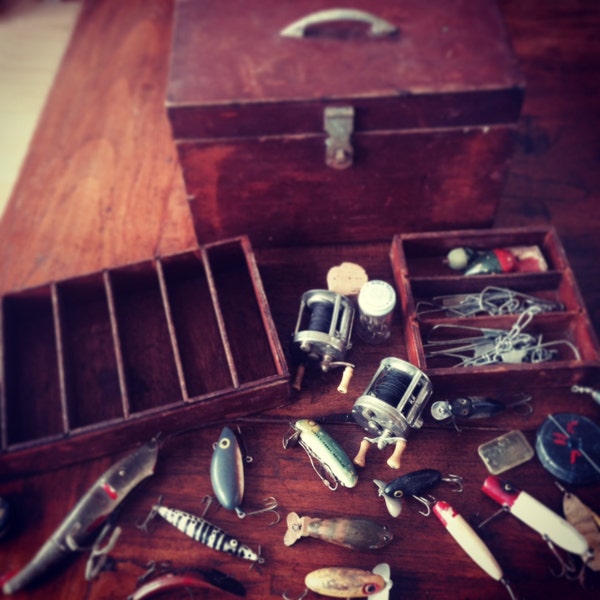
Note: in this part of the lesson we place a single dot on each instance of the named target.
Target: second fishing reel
(322, 333)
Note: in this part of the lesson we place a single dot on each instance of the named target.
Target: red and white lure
(470, 542)
(200, 530)
(554, 529)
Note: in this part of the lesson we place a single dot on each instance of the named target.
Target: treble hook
(144, 524)
(566, 566)
(99, 555)
(270, 504)
(456, 480)
(300, 597)
(428, 501)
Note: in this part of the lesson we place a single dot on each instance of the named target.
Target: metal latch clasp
(339, 124)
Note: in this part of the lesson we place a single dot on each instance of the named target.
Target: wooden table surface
(101, 187)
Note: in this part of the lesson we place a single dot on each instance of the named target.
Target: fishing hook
(300, 597)
(144, 524)
(270, 504)
(99, 555)
(566, 565)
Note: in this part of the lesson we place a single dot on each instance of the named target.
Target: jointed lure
(200, 530)
(92, 511)
(321, 447)
(552, 527)
(414, 484)
(470, 542)
(341, 582)
(358, 534)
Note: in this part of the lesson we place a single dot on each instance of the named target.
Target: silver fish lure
(344, 582)
(354, 533)
(92, 510)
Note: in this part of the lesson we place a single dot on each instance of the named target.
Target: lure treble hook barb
(270, 504)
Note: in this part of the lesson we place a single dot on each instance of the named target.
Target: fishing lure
(470, 542)
(357, 534)
(201, 530)
(323, 449)
(552, 527)
(92, 511)
(188, 579)
(413, 484)
(342, 582)
(586, 521)
(475, 407)
(227, 471)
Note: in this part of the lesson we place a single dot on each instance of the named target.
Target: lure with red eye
(344, 582)
(227, 471)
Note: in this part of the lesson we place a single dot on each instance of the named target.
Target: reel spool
(322, 333)
(390, 406)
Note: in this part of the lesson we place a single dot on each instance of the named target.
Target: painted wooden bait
(227, 471)
(470, 542)
(342, 582)
(92, 511)
(206, 533)
(321, 447)
(414, 484)
(551, 526)
(354, 533)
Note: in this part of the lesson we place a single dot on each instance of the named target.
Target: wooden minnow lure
(355, 533)
(321, 447)
(551, 526)
(342, 582)
(470, 542)
(587, 522)
(201, 530)
(413, 484)
(92, 511)
(227, 471)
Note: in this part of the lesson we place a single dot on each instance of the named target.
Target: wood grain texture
(102, 187)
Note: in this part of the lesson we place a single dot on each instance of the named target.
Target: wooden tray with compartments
(95, 363)
(426, 282)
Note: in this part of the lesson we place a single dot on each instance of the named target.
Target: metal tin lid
(568, 446)
(376, 298)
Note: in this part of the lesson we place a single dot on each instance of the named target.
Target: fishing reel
(322, 334)
(390, 407)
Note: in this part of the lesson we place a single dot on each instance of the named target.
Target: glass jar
(376, 302)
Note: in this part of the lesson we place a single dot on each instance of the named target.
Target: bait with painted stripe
(342, 582)
(201, 530)
(551, 526)
(470, 542)
(354, 533)
(89, 514)
(323, 449)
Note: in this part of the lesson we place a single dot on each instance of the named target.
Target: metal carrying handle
(379, 27)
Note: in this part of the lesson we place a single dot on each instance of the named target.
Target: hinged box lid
(233, 73)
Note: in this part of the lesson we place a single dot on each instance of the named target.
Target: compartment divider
(171, 327)
(220, 320)
(62, 382)
(114, 325)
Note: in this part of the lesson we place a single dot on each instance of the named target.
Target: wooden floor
(101, 187)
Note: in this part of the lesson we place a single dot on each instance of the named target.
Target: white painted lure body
(341, 582)
(551, 526)
(321, 447)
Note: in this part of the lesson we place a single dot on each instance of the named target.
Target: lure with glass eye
(206, 533)
(227, 471)
(320, 446)
(551, 526)
(354, 533)
(412, 484)
(341, 582)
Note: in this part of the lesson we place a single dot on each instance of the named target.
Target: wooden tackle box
(96, 363)
(342, 130)
(422, 273)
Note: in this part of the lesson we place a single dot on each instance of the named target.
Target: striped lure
(206, 533)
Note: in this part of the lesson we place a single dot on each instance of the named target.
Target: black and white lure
(201, 530)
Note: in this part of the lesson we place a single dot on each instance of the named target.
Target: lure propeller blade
(394, 505)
